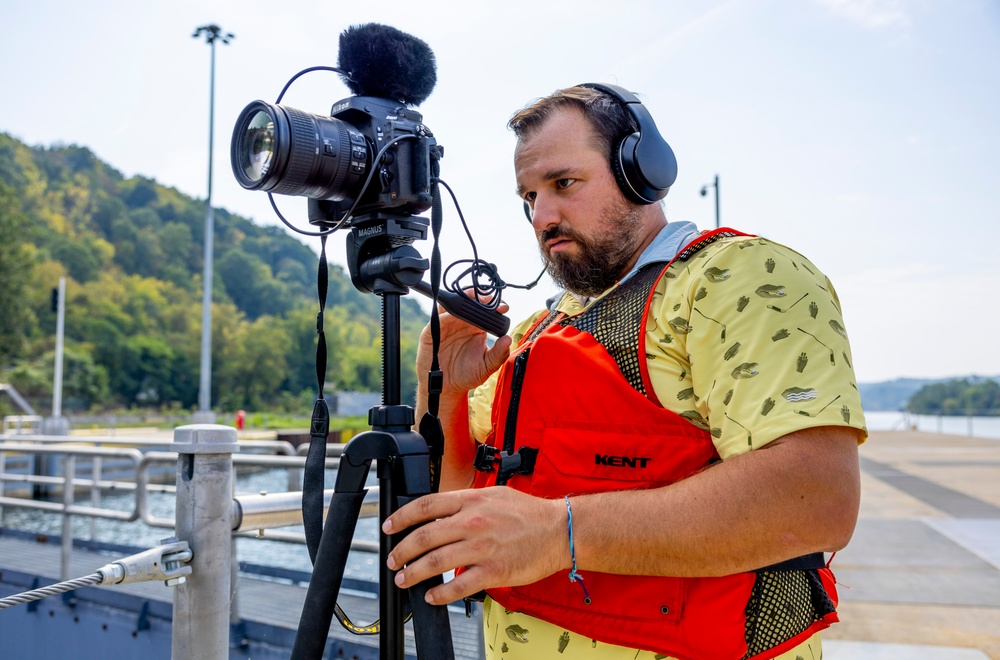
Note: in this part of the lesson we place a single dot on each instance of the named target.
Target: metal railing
(18, 424)
(84, 460)
(207, 518)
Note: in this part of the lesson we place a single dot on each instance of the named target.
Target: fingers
(440, 561)
(457, 552)
(498, 353)
(501, 536)
(439, 541)
(423, 509)
(465, 584)
(434, 524)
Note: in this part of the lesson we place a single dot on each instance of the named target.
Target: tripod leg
(431, 625)
(328, 573)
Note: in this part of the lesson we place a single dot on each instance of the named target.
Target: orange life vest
(574, 414)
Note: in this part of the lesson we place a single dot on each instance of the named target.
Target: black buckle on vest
(520, 462)
(486, 456)
(478, 597)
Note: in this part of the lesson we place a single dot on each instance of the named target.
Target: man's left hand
(501, 536)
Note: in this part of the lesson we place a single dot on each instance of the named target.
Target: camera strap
(315, 467)
(430, 424)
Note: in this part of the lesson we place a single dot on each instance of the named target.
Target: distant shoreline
(962, 425)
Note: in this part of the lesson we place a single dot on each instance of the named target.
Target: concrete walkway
(921, 577)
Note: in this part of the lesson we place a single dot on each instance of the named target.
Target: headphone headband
(643, 163)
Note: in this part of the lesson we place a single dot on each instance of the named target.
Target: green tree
(85, 382)
(249, 361)
(957, 397)
(251, 285)
(15, 270)
(131, 250)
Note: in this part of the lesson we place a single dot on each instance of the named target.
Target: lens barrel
(285, 151)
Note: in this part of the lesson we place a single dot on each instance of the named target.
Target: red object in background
(241, 418)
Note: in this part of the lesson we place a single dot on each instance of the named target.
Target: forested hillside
(960, 396)
(131, 251)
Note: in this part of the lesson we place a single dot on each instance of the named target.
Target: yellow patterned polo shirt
(745, 339)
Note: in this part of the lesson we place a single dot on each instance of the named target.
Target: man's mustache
(558, 231)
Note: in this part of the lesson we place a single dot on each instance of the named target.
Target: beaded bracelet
(574, 575)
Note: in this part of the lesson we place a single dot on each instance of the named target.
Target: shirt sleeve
(746, 339)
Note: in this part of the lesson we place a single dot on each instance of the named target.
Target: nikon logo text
(621, 461)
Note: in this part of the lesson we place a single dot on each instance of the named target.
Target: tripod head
(380, 256)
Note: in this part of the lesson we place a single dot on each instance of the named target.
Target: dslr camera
(370, 155)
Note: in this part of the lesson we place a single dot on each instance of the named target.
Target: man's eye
(529, 197)
(564, 183)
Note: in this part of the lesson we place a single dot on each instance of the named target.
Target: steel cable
(51, 590)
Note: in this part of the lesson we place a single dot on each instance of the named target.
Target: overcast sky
(863, 133)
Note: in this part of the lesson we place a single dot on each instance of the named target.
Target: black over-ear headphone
(643, 163)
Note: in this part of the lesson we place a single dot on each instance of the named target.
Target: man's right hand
(466, 362)
(464, 355)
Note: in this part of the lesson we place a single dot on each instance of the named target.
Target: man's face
(588, 233)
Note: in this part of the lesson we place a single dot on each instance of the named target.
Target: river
(979, 427)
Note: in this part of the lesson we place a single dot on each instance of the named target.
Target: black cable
(488, 291)
(375, 161)
(346, 218)
(345, 74)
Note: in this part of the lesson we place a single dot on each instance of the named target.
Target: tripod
(381, 261)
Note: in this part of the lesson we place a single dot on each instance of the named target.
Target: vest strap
(804, 563)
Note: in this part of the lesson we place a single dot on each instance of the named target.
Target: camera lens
(286, 151)
(258, 153)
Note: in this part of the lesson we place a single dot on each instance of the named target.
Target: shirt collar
(664, 247)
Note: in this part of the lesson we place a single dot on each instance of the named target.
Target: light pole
(212, 33)
(704, 191)
(57, 424)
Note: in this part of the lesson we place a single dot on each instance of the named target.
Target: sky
(862, 133)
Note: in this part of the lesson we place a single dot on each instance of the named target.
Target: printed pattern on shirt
(747, 341)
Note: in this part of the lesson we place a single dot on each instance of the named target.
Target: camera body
(366, 139)
(402, 179)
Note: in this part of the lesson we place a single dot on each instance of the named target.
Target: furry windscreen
(387, 63)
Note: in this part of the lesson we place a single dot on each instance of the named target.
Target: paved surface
(921, 577)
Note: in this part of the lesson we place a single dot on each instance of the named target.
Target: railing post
(3, 481)
(204, 520)
(66, 549)
(95, 492)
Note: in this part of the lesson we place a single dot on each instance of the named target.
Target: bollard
(204, 519)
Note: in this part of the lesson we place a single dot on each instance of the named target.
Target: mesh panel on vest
(782, 605)
(616, 319)
(542, 325)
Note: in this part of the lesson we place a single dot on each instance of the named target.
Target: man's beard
(602, 259)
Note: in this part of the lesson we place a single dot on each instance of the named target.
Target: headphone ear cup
(624, 169)
(645, 168)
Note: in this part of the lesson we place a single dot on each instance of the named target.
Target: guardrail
(206, 458)
(22, 424)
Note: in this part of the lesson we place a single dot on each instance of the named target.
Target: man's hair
(605, 113)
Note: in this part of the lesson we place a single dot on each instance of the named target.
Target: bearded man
(655, 464)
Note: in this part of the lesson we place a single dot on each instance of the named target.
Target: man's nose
(544, 213)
